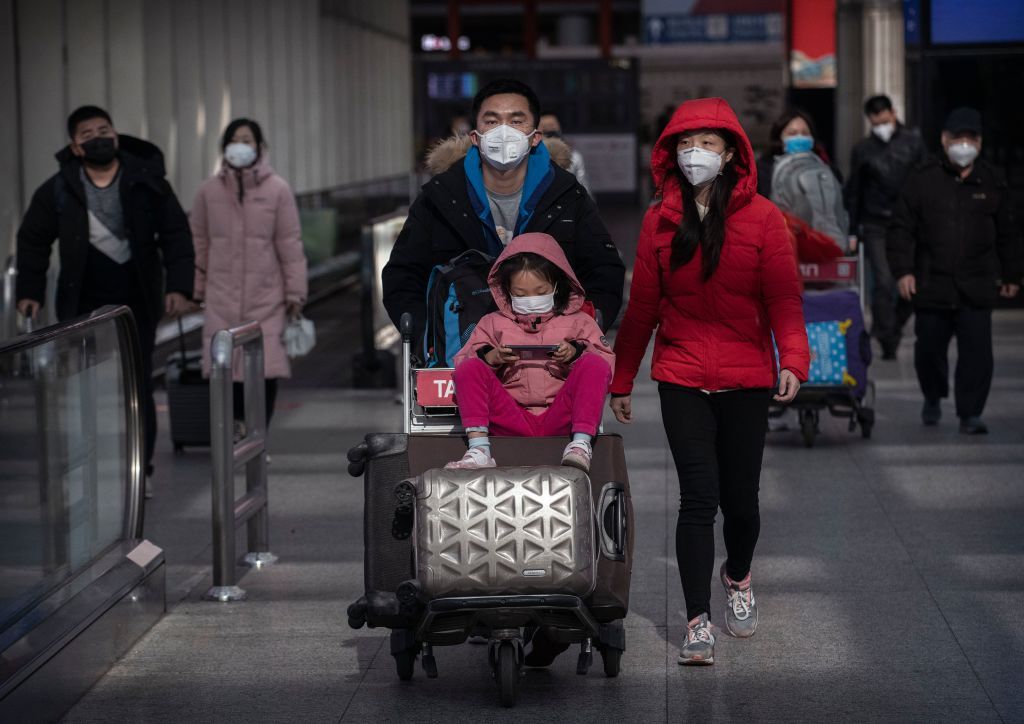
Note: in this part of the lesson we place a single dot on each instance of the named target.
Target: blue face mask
(797, 144)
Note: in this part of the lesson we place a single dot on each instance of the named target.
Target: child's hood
(542, 245)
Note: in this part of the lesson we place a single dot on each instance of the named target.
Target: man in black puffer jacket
(122, 234)
(954, 246)
(497, 183)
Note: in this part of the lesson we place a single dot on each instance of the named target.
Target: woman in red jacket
(716, 276)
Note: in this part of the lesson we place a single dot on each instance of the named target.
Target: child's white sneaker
(474, 459)
(577, 454)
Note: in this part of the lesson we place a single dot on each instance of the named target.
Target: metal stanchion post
(222, 451)
(258, 534)
(229, 455)
(9, 326)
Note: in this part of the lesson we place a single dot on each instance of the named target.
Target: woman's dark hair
(233, 127)
(776, 148)
(544, 268)
(709, 234)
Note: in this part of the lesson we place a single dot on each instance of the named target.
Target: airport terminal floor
(888, 575)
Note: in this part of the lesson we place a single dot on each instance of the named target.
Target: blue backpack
(458, 297)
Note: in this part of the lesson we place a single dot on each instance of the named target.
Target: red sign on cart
(435, 388)
(843, 269)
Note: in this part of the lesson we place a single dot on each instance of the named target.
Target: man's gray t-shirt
(505, 210)
(106, 219)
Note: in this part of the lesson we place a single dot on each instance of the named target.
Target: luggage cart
(432, 435)
(855, 403)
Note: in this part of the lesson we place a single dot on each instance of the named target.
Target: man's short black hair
(229, 132)
(506, 85)
(86, 113)
(877, 104)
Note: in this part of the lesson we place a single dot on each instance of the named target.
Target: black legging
(270, 393)
(717, 442)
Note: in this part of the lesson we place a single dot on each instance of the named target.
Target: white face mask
(504, 147)
(699, 165)
(884, 131)
(240, 155)
(962, 154)
(541, 304)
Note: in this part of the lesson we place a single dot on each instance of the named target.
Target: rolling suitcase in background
(188, 397)
(520, 530)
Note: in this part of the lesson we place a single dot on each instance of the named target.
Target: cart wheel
(508, 673)
(808, 427)
(405, 662)
(866, 418)
(430, 666)
(612, 659)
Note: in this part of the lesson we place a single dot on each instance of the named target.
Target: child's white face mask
(541, 304)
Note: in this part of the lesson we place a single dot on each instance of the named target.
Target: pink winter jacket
(249, 258)
(534, 384)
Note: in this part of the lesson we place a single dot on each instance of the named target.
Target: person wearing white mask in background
(955, 247)
(502, 180)
(879, 164)
(250, 263)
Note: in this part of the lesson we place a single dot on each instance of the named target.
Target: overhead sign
(668, 22)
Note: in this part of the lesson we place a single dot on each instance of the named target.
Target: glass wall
(68, 457)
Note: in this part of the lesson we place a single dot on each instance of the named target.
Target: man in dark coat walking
(879, 164)
(499, 182)
(954, 247)
(123, 237)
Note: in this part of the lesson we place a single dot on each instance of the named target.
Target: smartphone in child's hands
(533, 352)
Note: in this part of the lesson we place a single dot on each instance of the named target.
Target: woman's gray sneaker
(699, 649)
(741, 608)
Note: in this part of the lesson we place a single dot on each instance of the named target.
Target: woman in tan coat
(250, 264)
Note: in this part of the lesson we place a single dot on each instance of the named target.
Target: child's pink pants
(484, 402)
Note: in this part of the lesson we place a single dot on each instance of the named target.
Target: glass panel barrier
(70, 452)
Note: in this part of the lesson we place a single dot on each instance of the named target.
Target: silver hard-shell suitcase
(509, 530)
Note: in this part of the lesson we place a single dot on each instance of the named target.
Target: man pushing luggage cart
(541, 549)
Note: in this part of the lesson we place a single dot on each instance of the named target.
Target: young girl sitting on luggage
(500, 391)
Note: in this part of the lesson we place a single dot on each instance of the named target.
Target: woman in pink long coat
(250, 264)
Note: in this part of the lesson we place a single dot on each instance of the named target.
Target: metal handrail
(376, 249)
(8, 310)
(229, 455)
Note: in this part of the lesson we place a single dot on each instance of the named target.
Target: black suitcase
(188, 397)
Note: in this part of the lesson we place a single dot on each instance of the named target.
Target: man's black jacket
(957, 237)
(442, 224)
(877, 172)
(154, 221)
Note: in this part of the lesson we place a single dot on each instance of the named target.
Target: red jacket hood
(690, 116)
(542, 245)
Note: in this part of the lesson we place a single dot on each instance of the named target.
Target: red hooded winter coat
(534, 384)
(715, 334)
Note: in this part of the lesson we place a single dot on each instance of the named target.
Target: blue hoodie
(539, 175)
